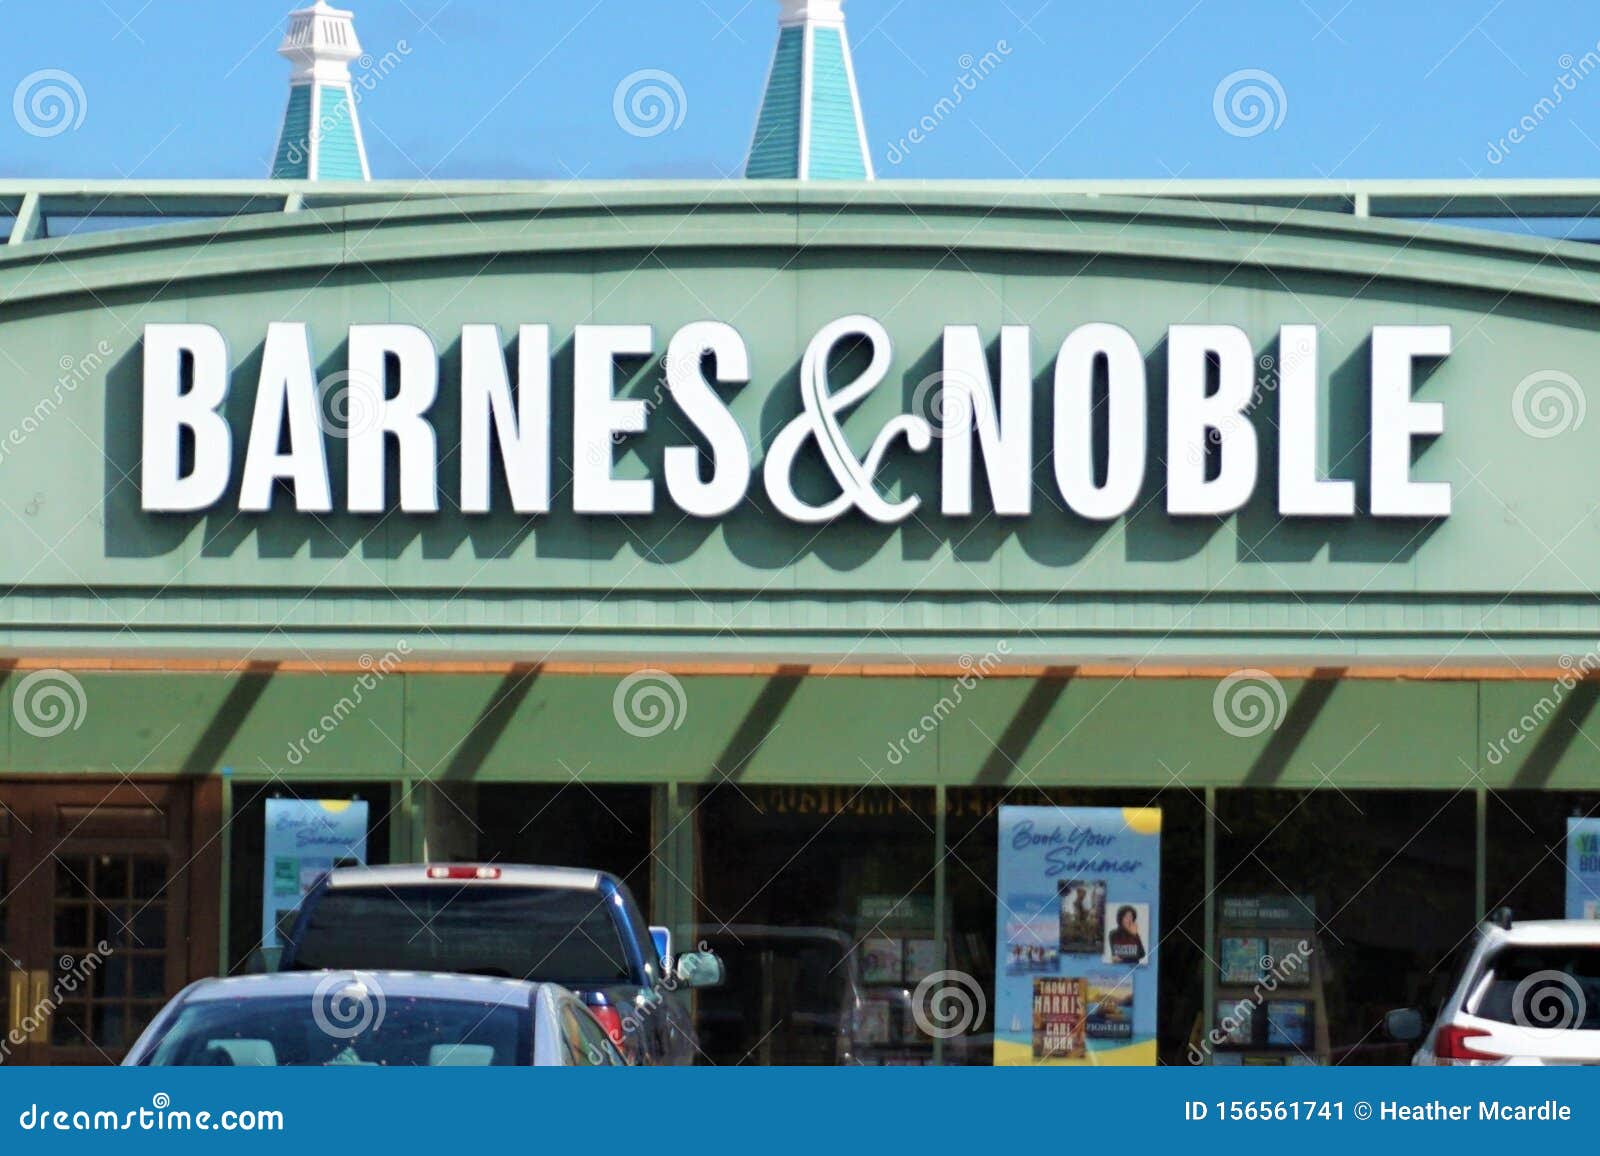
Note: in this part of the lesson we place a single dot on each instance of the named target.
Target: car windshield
(336, 1028)
(545, 934)
(1554, 988)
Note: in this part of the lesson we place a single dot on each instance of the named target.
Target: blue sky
(524, 89)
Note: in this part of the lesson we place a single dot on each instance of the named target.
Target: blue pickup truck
(580, 929)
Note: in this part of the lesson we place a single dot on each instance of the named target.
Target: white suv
(1524, 994)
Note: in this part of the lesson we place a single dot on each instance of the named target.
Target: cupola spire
(810, 127)
(321, 137)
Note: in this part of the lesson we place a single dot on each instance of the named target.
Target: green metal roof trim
(837, 151)
(294, 144)
(775, 154)
(1412, 199)
(421, 226)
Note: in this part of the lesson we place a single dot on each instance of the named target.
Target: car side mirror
(1404, 1025)
(700, 969)
(662, 938)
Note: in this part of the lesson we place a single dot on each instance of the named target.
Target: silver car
(373, 1019)
(1523, 994)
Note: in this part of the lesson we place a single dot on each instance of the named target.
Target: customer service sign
(493, 410)
(1078, 936)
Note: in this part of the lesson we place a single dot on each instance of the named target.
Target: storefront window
(1528, 852)
(971, 864)
(1333, 908)
(820, 901)
(568, 825)
(248, 863)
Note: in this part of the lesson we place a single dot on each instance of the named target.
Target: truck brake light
(463, 872)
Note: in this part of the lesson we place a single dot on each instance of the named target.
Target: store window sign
(1211, 457)
(1078, 935)
(1583, 868)
(306, 838)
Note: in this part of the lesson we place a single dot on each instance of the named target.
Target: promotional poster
(305, 839)
(1078, 930)
(1583, 868)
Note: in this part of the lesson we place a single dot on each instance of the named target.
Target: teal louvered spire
(810, 127)
(321, 136)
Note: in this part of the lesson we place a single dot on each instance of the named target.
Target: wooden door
(15, 1044)
(101, 884)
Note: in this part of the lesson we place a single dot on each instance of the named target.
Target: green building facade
(767, 720)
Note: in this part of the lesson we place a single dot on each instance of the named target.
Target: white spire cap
(321, 44)
(827, 13)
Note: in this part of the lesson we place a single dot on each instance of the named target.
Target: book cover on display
(1077, 936)
(1125, 935)
(1241, 958)
(922, 959)
(1033, 936)
(876, 1025)
(1083, 915)
(1237, 1024)
(1059, 1019)
(1110, 1015)
(882, 961)
(1289, 1024)
(1289, 961)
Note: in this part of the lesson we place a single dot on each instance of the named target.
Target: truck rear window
(549, 935)
(1541, 987)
